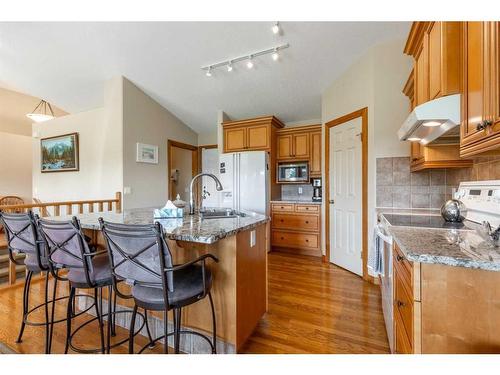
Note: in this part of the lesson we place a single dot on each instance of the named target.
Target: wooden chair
(8, 200)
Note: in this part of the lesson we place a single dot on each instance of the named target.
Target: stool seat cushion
(100, 275)
(31, 263)
(188, 288)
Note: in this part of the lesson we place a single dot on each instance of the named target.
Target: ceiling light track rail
(245, 57)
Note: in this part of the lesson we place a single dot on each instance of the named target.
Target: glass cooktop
(424, 221)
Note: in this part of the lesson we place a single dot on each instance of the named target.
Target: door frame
(363, 113)
(194, 163)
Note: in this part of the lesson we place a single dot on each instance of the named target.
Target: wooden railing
(62, 208)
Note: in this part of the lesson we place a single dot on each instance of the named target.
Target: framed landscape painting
(147, 153)
(60, 153)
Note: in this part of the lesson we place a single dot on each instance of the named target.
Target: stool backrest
(66, 245)
(22, 235)
(138, 254)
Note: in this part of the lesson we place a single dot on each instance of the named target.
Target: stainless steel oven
(293, 172)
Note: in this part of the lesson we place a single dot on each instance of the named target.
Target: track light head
(209, 72)
(275, 55)
(276, 28)
(250, 63)
(230, 67)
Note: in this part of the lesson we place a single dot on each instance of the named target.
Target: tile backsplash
(397, 187)
(291, 192)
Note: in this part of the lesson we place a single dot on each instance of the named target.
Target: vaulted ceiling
(68, 63)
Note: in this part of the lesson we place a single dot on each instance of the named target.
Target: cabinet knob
(281, 220)
(307, 222)
(307, 240)
(282, 238)
(400, 304)
(307, 208)
(399, 258)
(482, 125)
(487, 123)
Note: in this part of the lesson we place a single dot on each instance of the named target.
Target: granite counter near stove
(457, 247)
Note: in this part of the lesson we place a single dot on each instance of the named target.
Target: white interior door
(346, 195)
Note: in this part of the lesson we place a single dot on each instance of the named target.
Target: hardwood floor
(318, 308)
(313, 308)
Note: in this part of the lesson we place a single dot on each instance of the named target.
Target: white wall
(100, 174)
(16, 156)
(146, 121)
(375, 81)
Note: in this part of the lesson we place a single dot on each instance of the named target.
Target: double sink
(220, 213)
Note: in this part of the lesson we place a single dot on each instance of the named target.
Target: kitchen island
(239, 279)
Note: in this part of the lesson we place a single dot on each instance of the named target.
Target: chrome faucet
(218, 186)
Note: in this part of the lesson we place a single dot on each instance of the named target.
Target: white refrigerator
(245, 181)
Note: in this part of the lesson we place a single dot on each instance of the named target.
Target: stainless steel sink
(220, 213)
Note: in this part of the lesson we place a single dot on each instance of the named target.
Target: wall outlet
(253, 238)
(300, 190)
(127, 190)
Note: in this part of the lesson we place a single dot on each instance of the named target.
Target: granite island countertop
(190, 228)
(452, 247)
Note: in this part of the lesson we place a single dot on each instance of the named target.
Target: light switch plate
(127, 190)
(253, 238)
(300, 190)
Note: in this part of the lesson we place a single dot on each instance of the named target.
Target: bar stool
(23, 238)
(140, 256)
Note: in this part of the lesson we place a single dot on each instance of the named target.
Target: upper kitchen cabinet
(292, 144)
(435, 47)
(301, 143)
(480, 130)
(250, 135)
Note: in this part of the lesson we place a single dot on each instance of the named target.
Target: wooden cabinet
(480, 128)
(433, 312)
(255, 134)
(315, 159)
(436, 48)
(296, 228)
(301, 144)
(293, 146)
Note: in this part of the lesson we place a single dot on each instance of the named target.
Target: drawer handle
(307, 208)
(307, 222)
(307, 240)
(399, 258)
(282, 207)
(281, 220)
(400, 304)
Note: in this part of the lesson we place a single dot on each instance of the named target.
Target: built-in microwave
(293, 172)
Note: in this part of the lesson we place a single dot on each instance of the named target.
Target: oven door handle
(385, 238)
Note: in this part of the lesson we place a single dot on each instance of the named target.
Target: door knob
(331, 201)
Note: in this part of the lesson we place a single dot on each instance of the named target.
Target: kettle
(454, 211)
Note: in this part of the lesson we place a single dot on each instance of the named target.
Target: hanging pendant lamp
(42, 112)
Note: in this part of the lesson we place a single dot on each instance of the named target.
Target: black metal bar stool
(87, 269)
(140, 256)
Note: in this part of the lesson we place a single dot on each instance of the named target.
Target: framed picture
(60, 153)
(147, 153)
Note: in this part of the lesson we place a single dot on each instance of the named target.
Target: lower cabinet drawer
(296, 222)
(291, 239)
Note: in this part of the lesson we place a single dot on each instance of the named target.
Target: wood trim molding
(257, 120)
(409, 87)
(363, 113)
(194, 162)
(415, 37)
(440, 164)
(303, 128)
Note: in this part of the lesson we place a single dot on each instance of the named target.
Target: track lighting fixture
(250, 62)
(250, 59)
(275, 55)
(276, 28)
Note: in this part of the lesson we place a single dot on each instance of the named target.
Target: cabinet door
(234, 139)
(435, 59)
(315, 163)
(258, 137)
(285, 147)
(422, 73)
(301, 145)
(474, 103)
(494, 43)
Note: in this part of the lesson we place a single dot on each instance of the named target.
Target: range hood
(436, 121)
